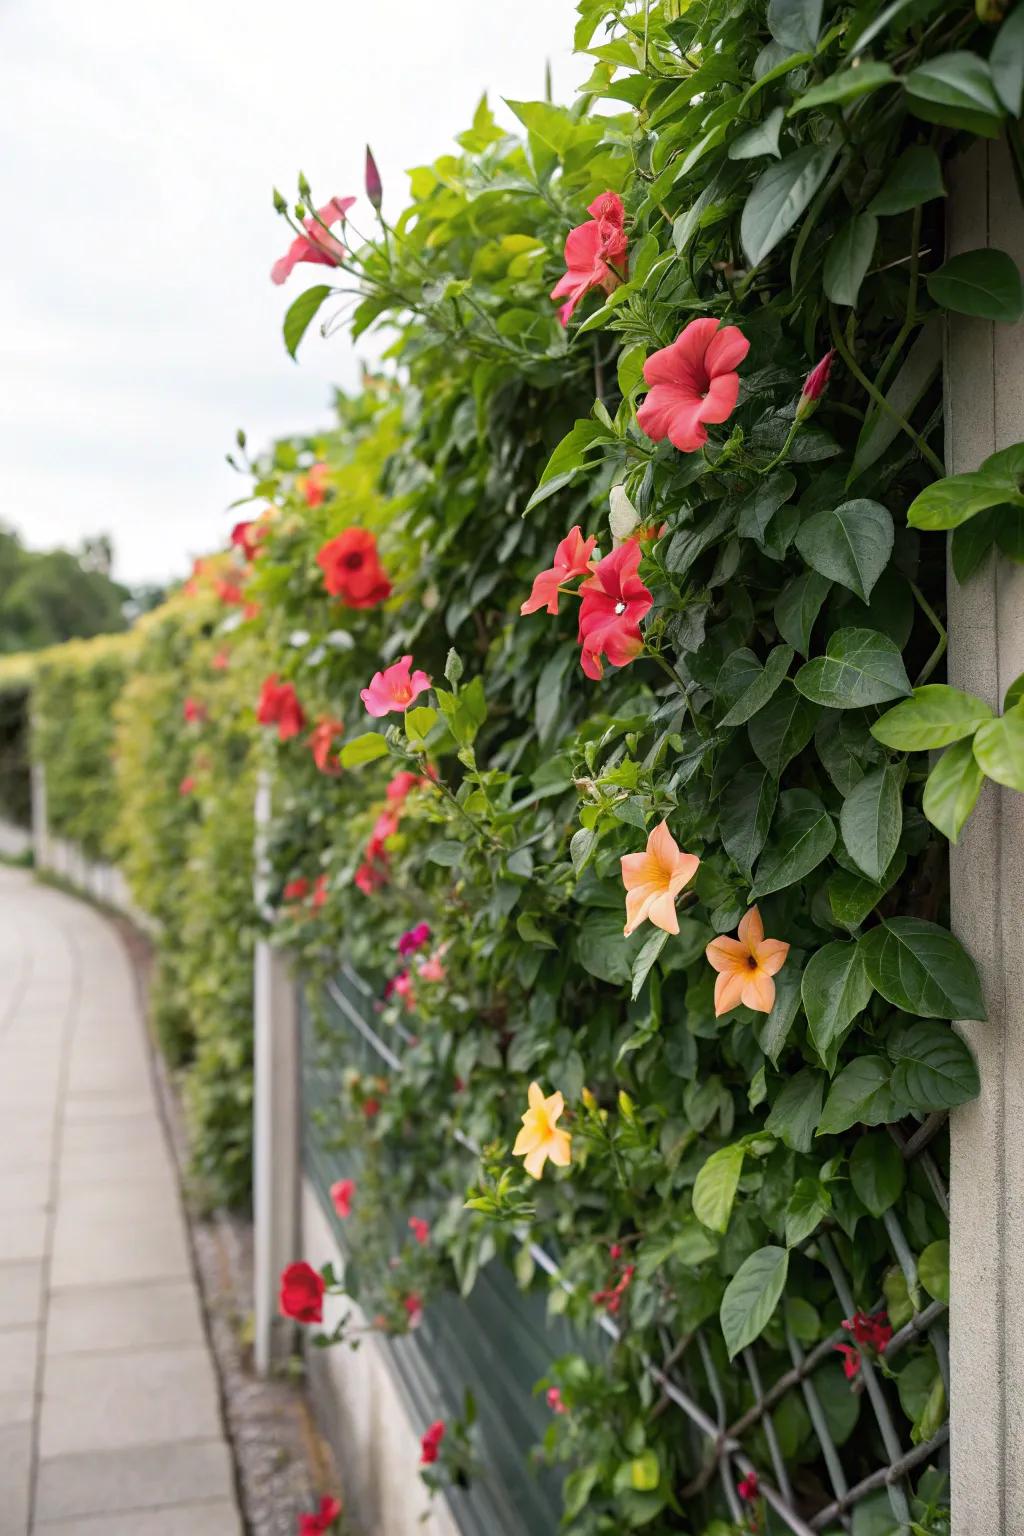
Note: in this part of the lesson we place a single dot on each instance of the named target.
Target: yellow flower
(653, 880)
(539, 1138)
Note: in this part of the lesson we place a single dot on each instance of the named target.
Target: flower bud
(299, 211)
(374, 187)
(280, 203)
(303, 186)
(622, 515)
(589, 1102)
(815, 385)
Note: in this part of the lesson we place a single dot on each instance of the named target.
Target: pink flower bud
(815, 386)
(374, 188)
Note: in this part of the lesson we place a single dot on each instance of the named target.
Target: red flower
(748, 1489)
(402, 783)
(228, 590)
(322, 740)
(554, 1401)
(572, 558)
(414, 939)
(692, 381)
(413, 1304)
(317, 1523)
(221, 661)
(352, 569)
(341, 1196)
(614, 602)
(591, 250)
(369, 877)
(317, 245)
(430, 1443)
(248, 537)
(371, 1108)
(384, 827)
(187, 785)
(302, 1293)
(419, 1229)
(874, 1330)
(279, 705)
(815, 385)
(194, 711)
(611, 1299)
(851, 1360)
(296, 890)
(320, 893)
(314, 484)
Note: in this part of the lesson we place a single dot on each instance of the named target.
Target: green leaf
(751, 1297)
(848, 258)
(714, 1189)
(933, 1270)
(645, 960)
(808, 1205)
(603, 949)
(747, 806)
(950, 502)
(779, 196)
(999, 749)
(758, 508)
(916, 178)
(934, 1067)
(859, 667)
(574, 453)
(955, 89)
(801, 837)
(913, 378)
(877, 1172)
(935, 716)
(1014, 694)
(984, 283)
(921, 968)
(363, 749)
(1006, 62)
(762, 139)
(300, 314)
(796, 1111)
(860, 1095)
(797, 607)
(782, 729)
(446, 852)
(852, 898)
(757, 694)
(872, 819)
(795, 24)
(952, 789)
(835, 989)
(851, 544)
(419, 723)
(846, 86)
(772, 1030)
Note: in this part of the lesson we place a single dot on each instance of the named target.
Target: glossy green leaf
(795, 24)
(802, 835)
(916, 178)
(984, 283)
(714, 1190)
(363, 749)
(851, 544)
(936, 715)
(751, 1297)
(847, 85)
(952, 789)
(933, 1270)
(574, 453)
(772, 1031)
(835, 989)
(934, 1068)
(852, 898)
(872, 819)
(955, 89)
(762, 139)
(796, 1110)
(848, 258)
(797, 607)
(761, 690)
(808, 1205)
(860, 1095)
(859, 667)
(950, 502)
(999, 749)
(782, 729)
(644, 962)
(300, 315)
(761, 504)
(779, 196)
(877, 1172)
(921, 968)
(747, 806)
(1006, 62)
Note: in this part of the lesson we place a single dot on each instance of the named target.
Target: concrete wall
(985, 412)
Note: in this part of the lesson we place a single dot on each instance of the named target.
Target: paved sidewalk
(109, 1417)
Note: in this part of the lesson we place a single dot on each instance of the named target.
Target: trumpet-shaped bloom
(279, 705)
(317, 245)
(851, 1360)
(394, 688)
(614, 600)
(302, 1293)
(746, 966)
(653, 880)
(540, 1137)
(572, 558)
(321, 741)
(419, 1229)
(590, 248)
(430, 1443)
(341, 1197)
(692, 381)
(401, 785)
(414, 939)
(352, 569)
(320, 1520)
(248, 537)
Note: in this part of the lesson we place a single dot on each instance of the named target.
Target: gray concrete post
(40, 833)
(985, 412)
(276, 1123)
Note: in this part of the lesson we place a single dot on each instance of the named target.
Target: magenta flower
(394, 688)
(317, 245)
(414, 939)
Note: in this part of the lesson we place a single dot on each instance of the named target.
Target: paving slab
(219, 1518)
(120, 1317)
(147, 1477)
(21, 1294)
(15, 1475)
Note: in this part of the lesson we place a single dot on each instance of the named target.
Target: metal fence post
(40, 832)
(275, 1119)
(985, 412)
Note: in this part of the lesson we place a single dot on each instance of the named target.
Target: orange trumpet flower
(653, 880)
(745, 967)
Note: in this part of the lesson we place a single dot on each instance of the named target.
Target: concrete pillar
(40, 833)
(276, 1121)
(985, 412)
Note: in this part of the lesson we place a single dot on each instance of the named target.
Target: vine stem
(933, 618)
(851, 362)
(784, 450)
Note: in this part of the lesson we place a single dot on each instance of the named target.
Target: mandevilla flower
(692, 381)
(341, 1197)
(746, 966)
(432, 969)
(654, 879)
(815, 385)
(592, 250)
(279, 705)
(369, 877)
(430, 1443)
(394, 688)
(247, 537)
(402, 784)
(320, 1520)
(317, 245)
(749, 1488)
(221, 661)
(614, 602)
(321, 742)
(414, 939)
(413, 1304)
(229, 591)
(352, 569)
(572, 558)
(419, 1229)
(302, 1293)
(540, 1139)
(187, 785)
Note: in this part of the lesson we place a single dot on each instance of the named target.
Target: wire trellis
(724, 1455)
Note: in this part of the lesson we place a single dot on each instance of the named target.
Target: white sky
(142, 138)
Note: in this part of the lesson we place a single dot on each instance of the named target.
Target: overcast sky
(138, 324)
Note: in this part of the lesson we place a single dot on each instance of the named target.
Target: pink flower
(279, 705)
(221, 661)
(341, 1197)
(614, 602)
(296, 890)
(402, 783)
(369, 877)
(748, 1489)
(187, 785)
(591, 251)
(413, 1304)
(815, 385)
(419, 1229)
(399, 986)
(692, 381)
(414, 939)
(394, 688)
(572, 558)
(430, 1443)
(321, 742)
(317, 1523)
(317, 244)
(320, 893)
(248, 536)
(432, 969)
(194, 711)
(553, 1397)
(314, 485)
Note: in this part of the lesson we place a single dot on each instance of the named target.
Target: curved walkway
(110, 1421)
